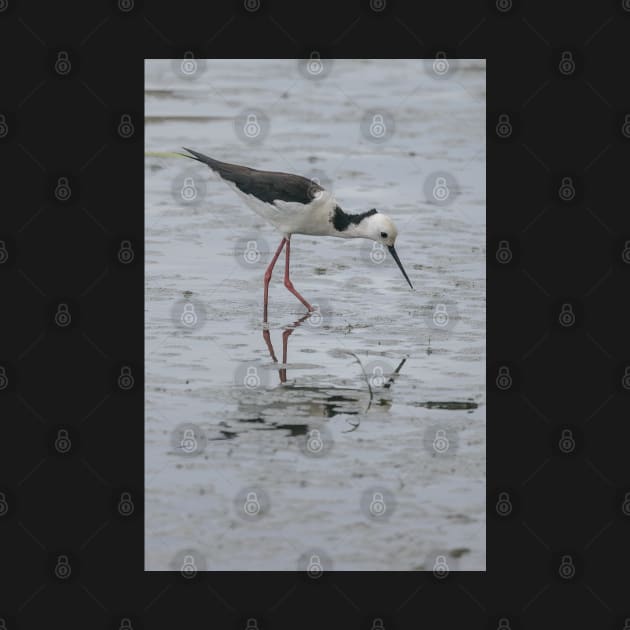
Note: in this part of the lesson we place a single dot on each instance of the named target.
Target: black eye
(383, 234)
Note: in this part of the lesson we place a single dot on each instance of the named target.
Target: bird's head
(380, 228)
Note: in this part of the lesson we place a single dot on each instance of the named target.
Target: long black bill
(392, 251)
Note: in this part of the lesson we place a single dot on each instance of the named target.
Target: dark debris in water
(450, 405)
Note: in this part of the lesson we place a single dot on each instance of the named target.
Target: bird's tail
(200, 157)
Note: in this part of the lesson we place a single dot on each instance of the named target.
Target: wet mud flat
(354, 437)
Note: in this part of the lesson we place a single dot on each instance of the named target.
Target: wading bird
(298, 205)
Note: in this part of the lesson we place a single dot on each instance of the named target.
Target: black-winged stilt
(298, 205)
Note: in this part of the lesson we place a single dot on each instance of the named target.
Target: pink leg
(268, 275)
(287, 282)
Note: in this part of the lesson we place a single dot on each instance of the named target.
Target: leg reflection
(288, 331)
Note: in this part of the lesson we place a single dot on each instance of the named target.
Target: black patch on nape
(341, 220)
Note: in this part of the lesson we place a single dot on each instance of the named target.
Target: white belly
(295, 218)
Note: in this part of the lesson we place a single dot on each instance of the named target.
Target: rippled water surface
(355, 437)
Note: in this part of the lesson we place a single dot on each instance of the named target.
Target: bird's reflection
(288, 331)
(324, 402)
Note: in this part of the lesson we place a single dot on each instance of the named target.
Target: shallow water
(364, 447)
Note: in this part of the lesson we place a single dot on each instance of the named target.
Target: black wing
(267, 186)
